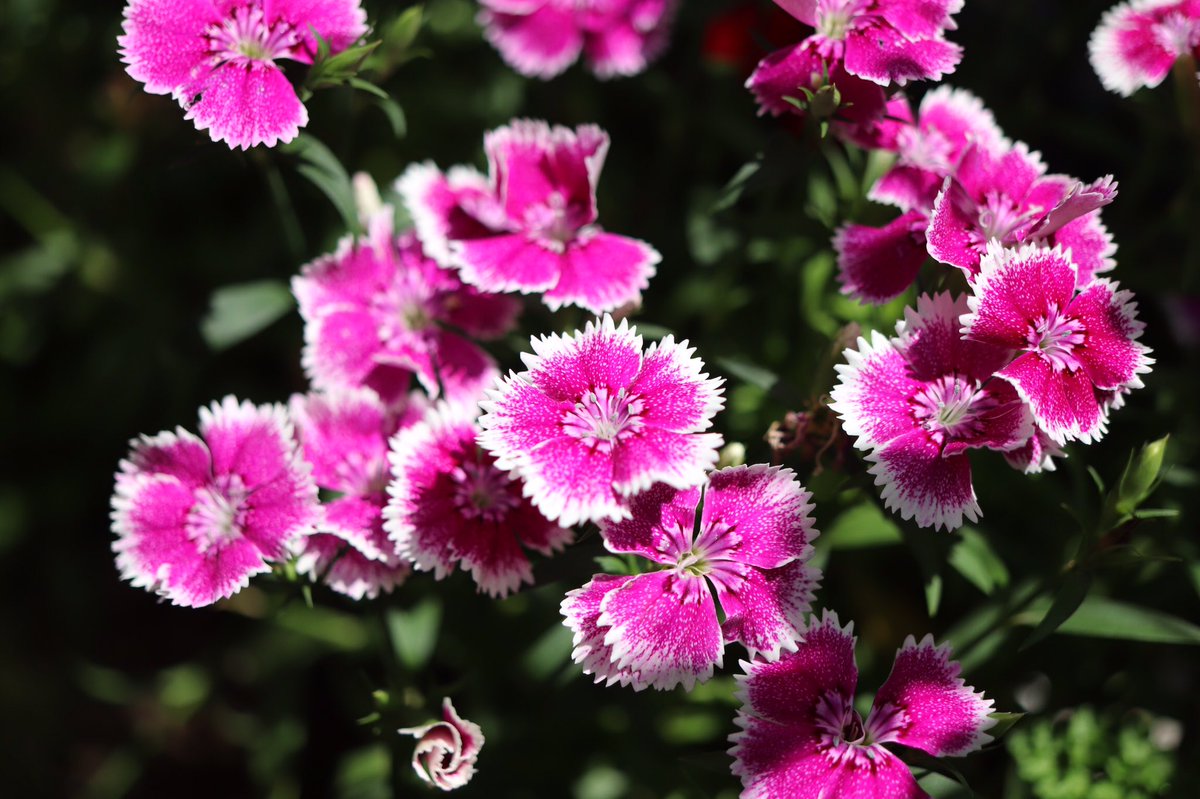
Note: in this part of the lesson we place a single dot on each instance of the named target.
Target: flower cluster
(1138, 42)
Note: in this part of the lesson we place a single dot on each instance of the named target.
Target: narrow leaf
(1100, 617)
(974, 558)
(860, 527)
(1070, 596)
(239, 311)
(415, 632)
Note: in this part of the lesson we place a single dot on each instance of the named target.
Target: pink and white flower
(345, 435)
(596, 420)
(746, 537)
(541, 38)
(1138, 42)
(446, 750)
(197, 516)
(451, 506)
(1078, 345)
(919, 402)
(800, 735)
(378, 311)
(532, 226)
(217, 58)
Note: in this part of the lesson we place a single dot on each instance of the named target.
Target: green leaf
(1004, 723)
(748, 372)
(239, 311)
(1100, 617)
(414, 632)
(974, 558)
(402, 31)
(395, 116)
(860, 527)
(732, 192)
(1071, 593)
(931, 549)
(364, 85)
(320, 166)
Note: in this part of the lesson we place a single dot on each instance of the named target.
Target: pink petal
(602, 272)
(1092, 247)
(349, 277)
(344, 434)
(678, 394)
(960, 119)
(149, 518)
(180, 455)
(873, 393)
(1010, 173)
(479, 314)
(471, 733)
(768, 509)
(883, 774)
(604, 355)
(781, 74)
(246, 106)
(535, 167)
(881, 54)
(346, 570)
(766, 611)
(680, 460)
(656, 517)
(932, 341)
(780, 761)
(460, 366)
(1110, 353)
(1016, 289)
(254, 442)
(340, 348)
(952, 237)
(540, 43)
(907, 188)
(921, 18)
(663, 627)
(803, 10)
(507, 263)
(164, 45)
(878, 264)
(570, 482)
(359, 521)
(1063, 402)
(1128, 49)
(1080, 200)
(620, 49)
(441, 206)
(921, 483)
(581, 615)
(936, 711)
(340, 22)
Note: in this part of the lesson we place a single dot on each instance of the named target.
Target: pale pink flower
(801, 736)
(197, 517)
(596, 419)
(541, 38)
(746, 537)
(446, 750)
(1137, 43)
(217, 58)
(344, 433)
(450, 506)
(378, 311)
(1078, 345)
(919, 402)
(532, 226)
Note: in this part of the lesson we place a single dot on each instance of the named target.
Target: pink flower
(1138, 42)
(1077, 346)
(197, 517)
(345, 435)
(749, 545)
(596, 420)
(532, 226)
(446, 750)
(919, 401)
(451, 506)
(218, 59)
(378, 310)
(801, 736)
(541, 38)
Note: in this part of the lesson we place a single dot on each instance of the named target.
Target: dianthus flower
(1138, 42)
(378, 310)
(1079, 348)
(746, 536)
(802, 738)
(532, 226)
(446, 750)
(595, 420)
(919, 401)
(451, 506)
(197, 517)
(217, 58)
(345, 435)
(541, 38)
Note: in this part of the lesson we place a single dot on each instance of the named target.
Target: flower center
(951, 406)
(834, 16)
(1055, 336)
(555, 223)
(844, 736)
(602, 418)
(218, 515)
(1000, 219)
(482, 492)
(246, 37)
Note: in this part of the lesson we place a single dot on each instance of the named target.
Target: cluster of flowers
(1137, 43)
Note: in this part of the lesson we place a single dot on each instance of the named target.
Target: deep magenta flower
(746, 536)
(541, 38)
(450, 506)
(217, 58)
(596, 420)
(532, 228)
(1079, 348)
(801, 737)
(378, 311)
(197, 517)
(446, 750)
(1138, 42)
(919, 401)
(344, 434)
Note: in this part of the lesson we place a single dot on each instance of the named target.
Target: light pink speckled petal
(678, 394)
(881, 54)
(908, 188)
(344, 435)
(510, 262)
(1063, 403)
(340, 22)
(681, 460)
(538, 168)
(921, 483)
(1036, 455)
(781, 74)
(1130, 48)
(883, 774)
(180, 454)
(961, 119)
(925, 704)
(149, 518)
(874, 392)
(921, 18)
(359, 521)
(340, 348)
(571, 482)
(878, 264)
(1079, 200)
(581, 615)
(776, 761)
(254, 442)
(540, 43)
(932, 342)
(206, 578)
(803, 10)
(604, 355)
(1092, 247)
(951, 236)
(602, 272)
(353, 275)
(1014, 290)
(164, 45)
(768, 509)
(1110, 353)
(663, 628)
(1010, 172)
(346, 570)
(519, 417)
(245, 106)
(658, 518)
(765, 611)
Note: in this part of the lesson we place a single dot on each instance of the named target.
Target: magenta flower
(377, 311)
(1079, 349)
(534, 228)
(919, 401)
(541, 38)
(217, 58)
(802, 737)
(451, 506)
(446, 750)
(1138, 42)
(749, 545)
(197, 517)
(345, 435)
(595, 420)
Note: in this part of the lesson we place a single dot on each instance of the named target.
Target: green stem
(1187, 96)
(293, 234)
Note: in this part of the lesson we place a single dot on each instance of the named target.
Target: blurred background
(119, 223)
